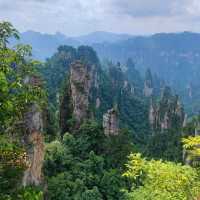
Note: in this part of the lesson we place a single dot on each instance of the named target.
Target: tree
(75, 166)
(7, 31)
(17, 73)
(16, 66)
(192, 150)
(155, 180)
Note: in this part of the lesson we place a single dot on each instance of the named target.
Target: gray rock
(110, 123)
(34, 143)
(82, 78)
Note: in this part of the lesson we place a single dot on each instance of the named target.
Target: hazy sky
(76, 17)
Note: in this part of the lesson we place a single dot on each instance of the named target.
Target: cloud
(82, 16)
(138, 8)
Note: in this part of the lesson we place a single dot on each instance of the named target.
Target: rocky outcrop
(80, 94)
(34, 144)
(185, 121)
(148, 84)
(148, 91)
(98, 103)
(189, 91)
(110, 122)
(82, 78)
(33, 140)
(128, 87)
(167, 114)
(152, 114)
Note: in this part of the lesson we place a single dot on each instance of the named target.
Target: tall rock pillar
(34, 142)
(110, 123)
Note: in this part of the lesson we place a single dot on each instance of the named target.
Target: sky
(79, 17)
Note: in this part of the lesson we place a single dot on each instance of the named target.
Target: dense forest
(167, 55)
(75, 127)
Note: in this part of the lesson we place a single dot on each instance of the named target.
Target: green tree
(76, 168)
(155, 180)
(192, 150)
(16, 66)
(17, 91)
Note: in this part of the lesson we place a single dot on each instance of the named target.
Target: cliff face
(82, 78)
(189, 90)
(91, 92)
(167, 114)
(80, 86)
(110, 122)
(34, 144)
(33, 141)
(148, 84)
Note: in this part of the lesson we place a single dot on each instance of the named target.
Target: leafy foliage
(13, 161)
(15, 68)
(166, 146)
(30, 193)
(7, 31)
(78, 167)
(192, 150)
(155, 180)
(18, 89)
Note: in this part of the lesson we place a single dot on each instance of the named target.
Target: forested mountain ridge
(112, 87)
(44, 45)
(76, 128)
(166, 54)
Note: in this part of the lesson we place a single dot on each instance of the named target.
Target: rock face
(167, 114)
(185, 121)
(189, 90)
(33, 139)
(148, 91)
(82, 79)
(80, 95)
(152, 113)
(110, 123)
(148, 84)
(98, 102)
(34, 144)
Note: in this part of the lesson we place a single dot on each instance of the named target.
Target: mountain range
(174, 57)
(44, 45)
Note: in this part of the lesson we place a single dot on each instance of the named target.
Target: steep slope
(167, 114)
(174, 58)
(91, 92)
(167, 55)
(81, 81)
(89, 89)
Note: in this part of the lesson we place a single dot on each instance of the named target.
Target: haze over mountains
(44, 45)
(174, 57)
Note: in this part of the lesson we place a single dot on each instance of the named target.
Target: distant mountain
(45, 45)
(102, 37)
(174, 57)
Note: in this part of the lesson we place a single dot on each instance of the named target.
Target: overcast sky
(77, 17)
